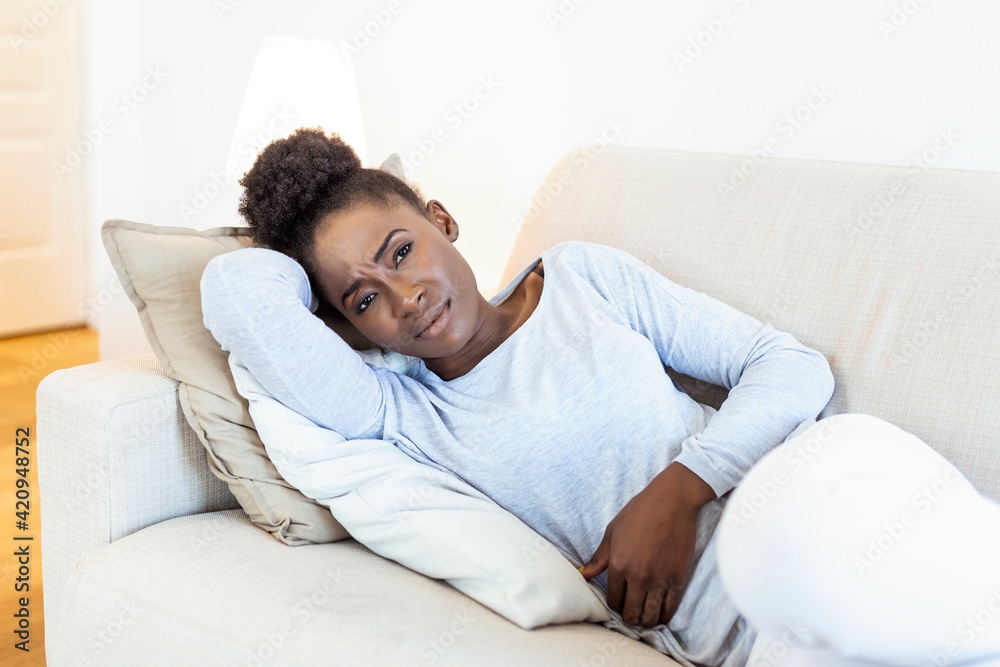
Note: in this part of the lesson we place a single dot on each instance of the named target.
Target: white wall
(885, 81)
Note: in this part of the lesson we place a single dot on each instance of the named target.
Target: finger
(653, 608)
(616, 589)
(598, 562)
(635, 600)
(671, 601)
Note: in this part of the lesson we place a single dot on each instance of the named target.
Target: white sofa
(891, 272)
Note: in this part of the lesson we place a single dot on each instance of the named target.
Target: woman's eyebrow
(375, 260)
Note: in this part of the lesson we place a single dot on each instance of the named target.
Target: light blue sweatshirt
(569, 418)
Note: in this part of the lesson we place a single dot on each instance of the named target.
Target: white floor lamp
(296, 82)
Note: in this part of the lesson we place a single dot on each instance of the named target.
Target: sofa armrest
(115, 454)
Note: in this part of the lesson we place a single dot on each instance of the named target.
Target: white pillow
(421, 517)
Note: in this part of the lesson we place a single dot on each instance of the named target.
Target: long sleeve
(775, 382)
(257, 303)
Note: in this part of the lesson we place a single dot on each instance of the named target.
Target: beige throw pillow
(160, 269)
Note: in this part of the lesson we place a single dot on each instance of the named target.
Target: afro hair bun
(291, 178)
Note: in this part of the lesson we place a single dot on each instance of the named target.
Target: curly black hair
(296, 181)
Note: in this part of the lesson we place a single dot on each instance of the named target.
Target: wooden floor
(24, 361)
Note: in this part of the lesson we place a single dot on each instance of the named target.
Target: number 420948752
(22, 460)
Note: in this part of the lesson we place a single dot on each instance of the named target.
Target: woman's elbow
(820, 377)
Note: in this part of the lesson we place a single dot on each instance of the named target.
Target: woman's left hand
(647, 548)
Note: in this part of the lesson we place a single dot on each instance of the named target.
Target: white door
(42, 271)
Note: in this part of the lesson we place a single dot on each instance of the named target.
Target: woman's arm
(256, 303)
(775, 384)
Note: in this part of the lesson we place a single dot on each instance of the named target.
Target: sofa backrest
(893, 273)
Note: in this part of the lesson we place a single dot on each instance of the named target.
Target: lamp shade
(296, 82)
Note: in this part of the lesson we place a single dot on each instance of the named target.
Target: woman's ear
(443, 220)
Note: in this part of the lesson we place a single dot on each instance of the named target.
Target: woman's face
(388, 271)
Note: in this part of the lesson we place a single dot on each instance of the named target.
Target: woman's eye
(402, 248)
(364, 301)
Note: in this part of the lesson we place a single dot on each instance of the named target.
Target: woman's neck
(498, 324)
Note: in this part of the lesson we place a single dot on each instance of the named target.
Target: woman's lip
(435, 327)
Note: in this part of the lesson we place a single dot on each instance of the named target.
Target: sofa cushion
(209, 589)
(891, 272)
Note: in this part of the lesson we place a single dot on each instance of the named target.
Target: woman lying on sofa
(553, 401)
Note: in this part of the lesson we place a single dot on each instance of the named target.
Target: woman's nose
(410, 296)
